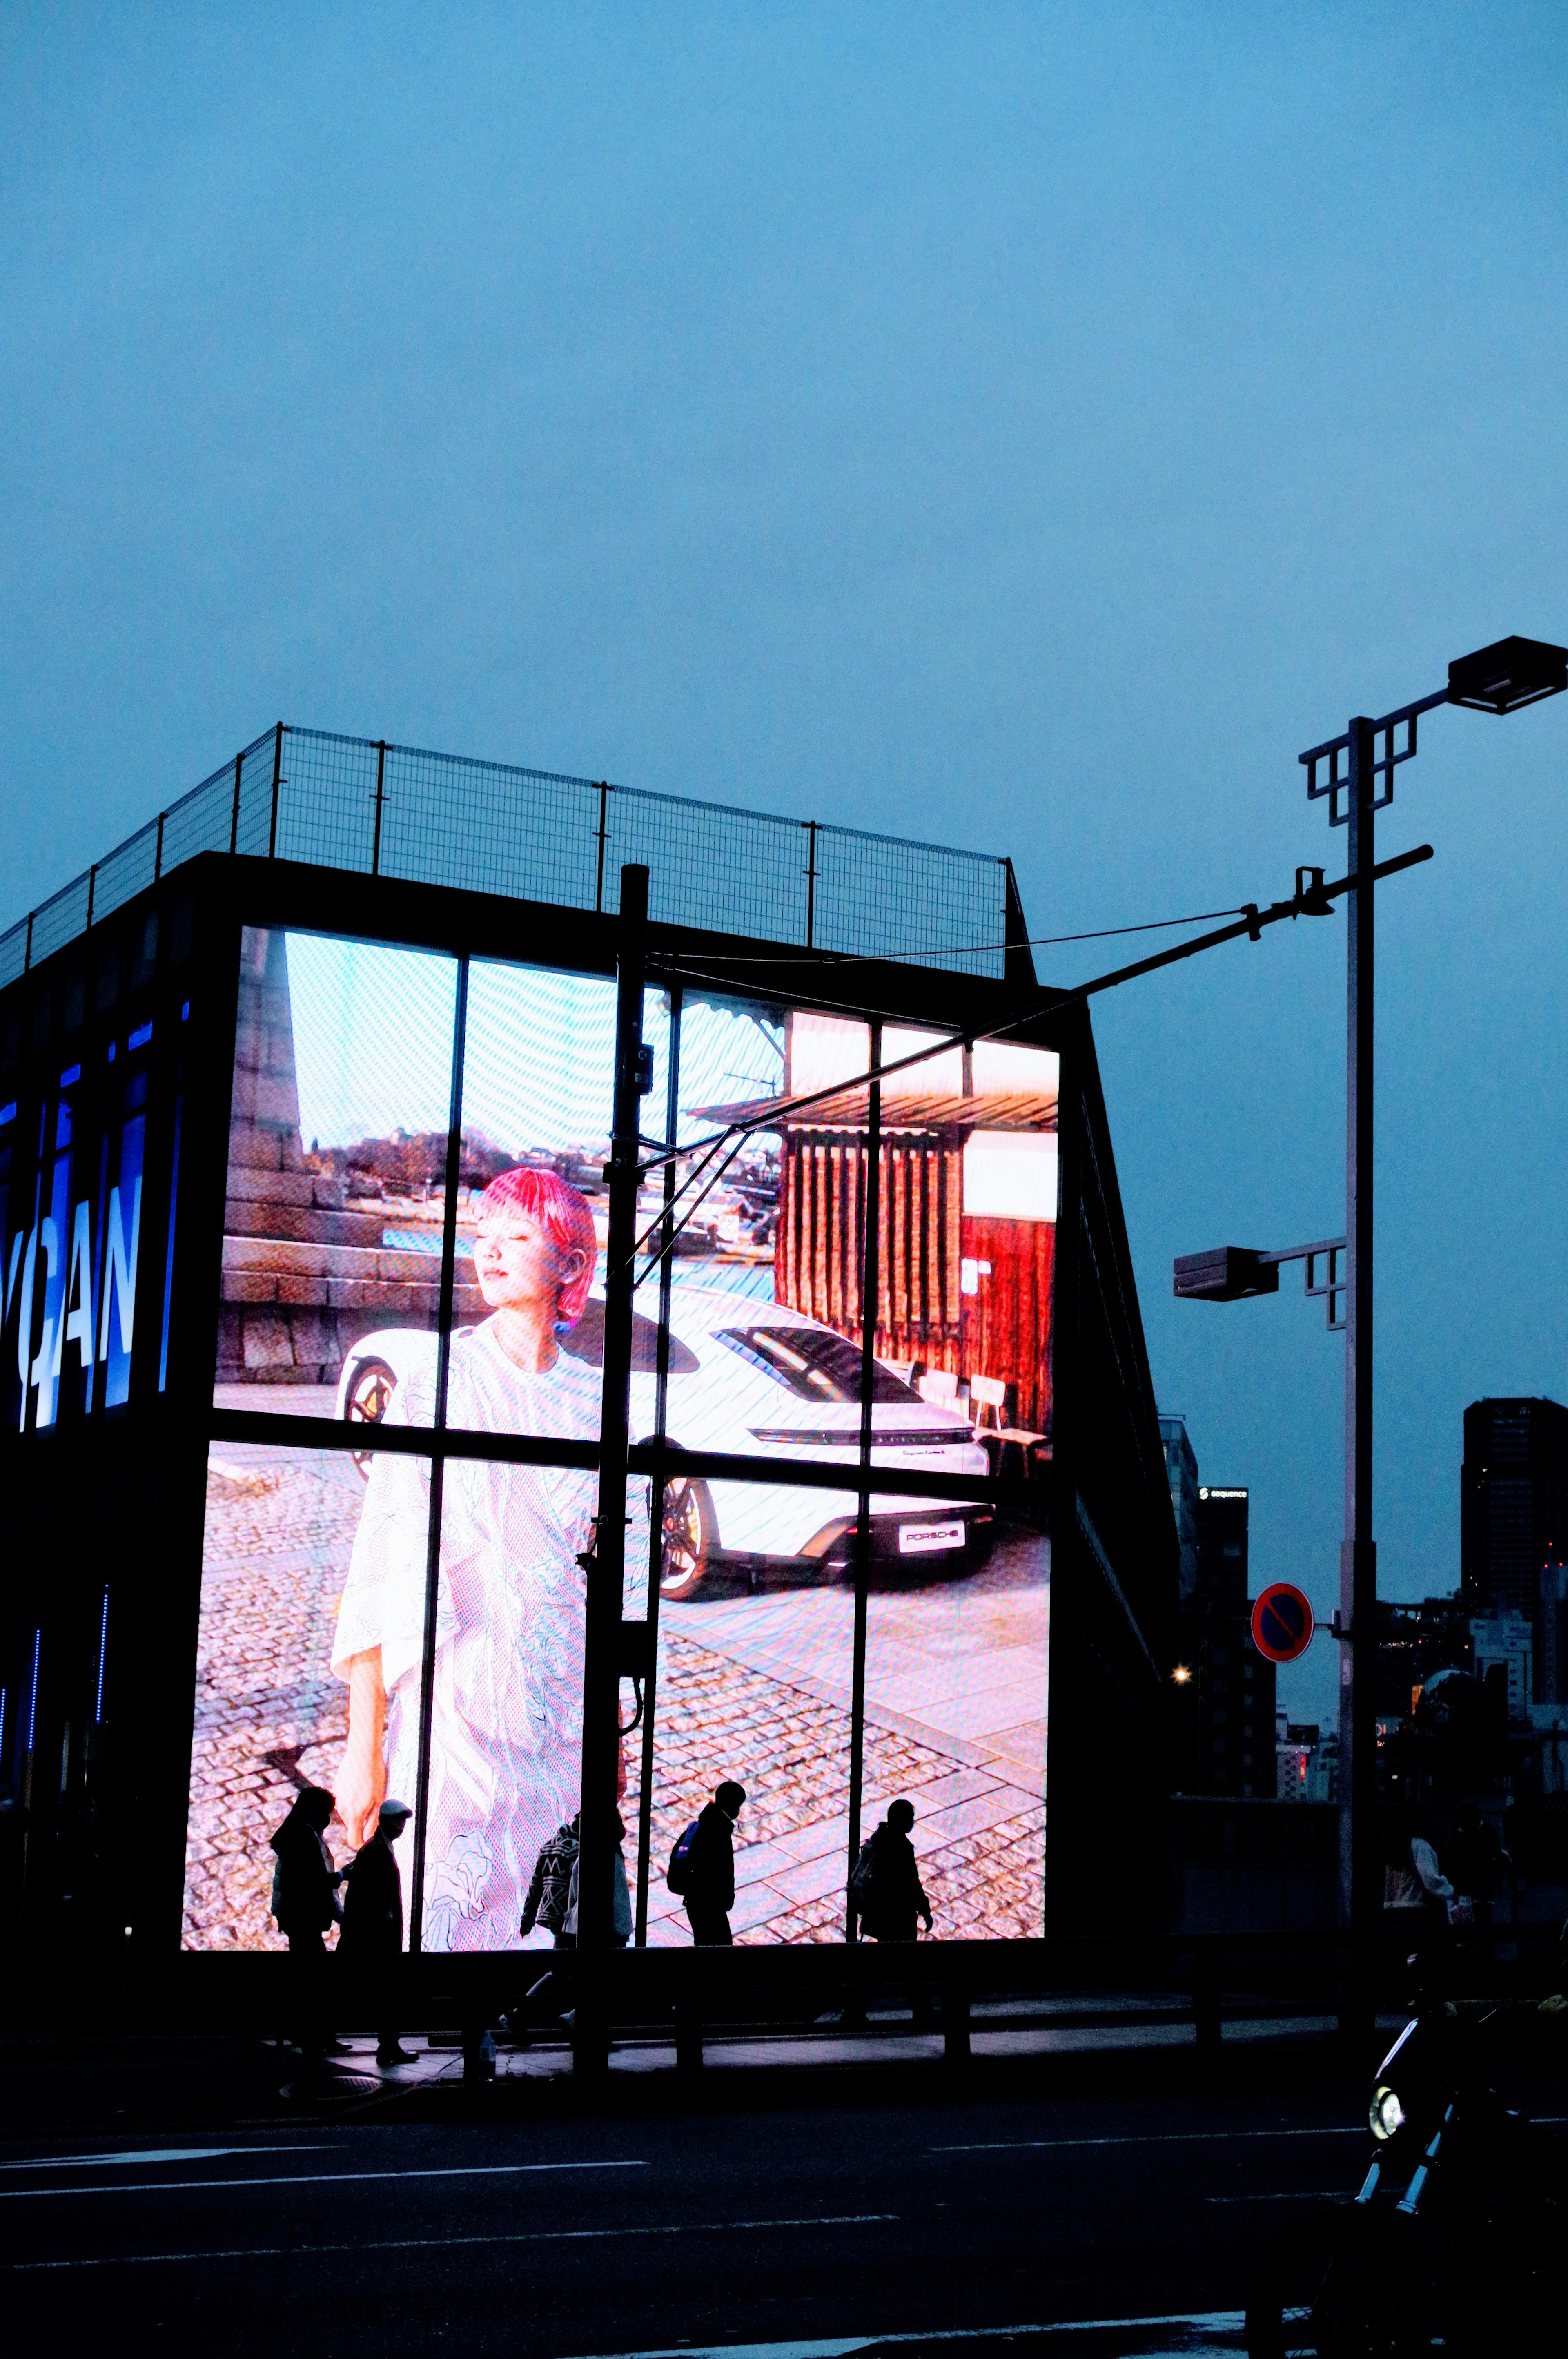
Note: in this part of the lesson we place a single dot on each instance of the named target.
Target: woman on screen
(506, 1724)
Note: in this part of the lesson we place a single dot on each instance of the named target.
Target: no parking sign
(1282, 1622)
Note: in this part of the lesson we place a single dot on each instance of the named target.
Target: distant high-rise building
(1228, 1714)
(1181, 1466)
(1222, 1548)
(1552, 1638)
(1513, 1509)
(1504, 1644)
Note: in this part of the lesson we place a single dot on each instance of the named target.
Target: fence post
(689, 2031)
(380, 802)
(276, 774)
(603, 840)
(157, 855)
(92, 892)
(234, 821)
(1205, 2003)
(28, 953)
(810, 826)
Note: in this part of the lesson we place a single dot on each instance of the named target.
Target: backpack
(863, 1879)
(678, 1873)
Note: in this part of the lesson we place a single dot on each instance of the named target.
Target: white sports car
(751, 1377)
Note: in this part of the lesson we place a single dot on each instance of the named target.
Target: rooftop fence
(442, 818)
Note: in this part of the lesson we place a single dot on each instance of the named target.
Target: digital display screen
(85, 1264)
(354, 1600)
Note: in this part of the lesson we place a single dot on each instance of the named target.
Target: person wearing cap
(711, 1878)
(373, 1921)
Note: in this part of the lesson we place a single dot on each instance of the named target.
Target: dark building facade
(245, 1131)
(1181, 1467)
(1227, 1704)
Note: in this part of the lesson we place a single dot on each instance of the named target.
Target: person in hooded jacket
(889, 1892)
(710, 1880)
(888, 1896)
(306, 1906)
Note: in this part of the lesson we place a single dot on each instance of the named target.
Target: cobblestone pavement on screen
(269, 1715)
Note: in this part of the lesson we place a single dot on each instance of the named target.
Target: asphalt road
(840, 2220)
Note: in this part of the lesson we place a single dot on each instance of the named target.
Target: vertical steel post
(92, 896)
(603, 840)
(607, 1573)
(438, 1460)
(870, 1289)
(810, 827)
(234, 818)
(276, 775)
(1359, 1862)
(656, 1482)
(157, 853)
(379, 805)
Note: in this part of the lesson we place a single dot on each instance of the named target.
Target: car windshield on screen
(813, 1363)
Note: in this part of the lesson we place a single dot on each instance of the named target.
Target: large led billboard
(85, 1257)
(414, 1251)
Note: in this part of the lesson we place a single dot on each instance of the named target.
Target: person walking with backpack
(702, 1867)
(886, 1888)
(887, 1895)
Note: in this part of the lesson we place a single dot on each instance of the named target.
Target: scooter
(1458, 2234)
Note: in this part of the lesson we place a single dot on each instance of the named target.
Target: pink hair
(564, 1217)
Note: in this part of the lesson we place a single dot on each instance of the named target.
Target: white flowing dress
(506, 1723)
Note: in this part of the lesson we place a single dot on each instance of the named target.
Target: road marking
(1230, 2324)
(158, 2154)
(1287, 2195)
(1162, 2137)
(311, 2178)
(441, 2244)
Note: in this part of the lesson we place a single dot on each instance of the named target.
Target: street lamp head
(1226, 1273)
(1501, 678)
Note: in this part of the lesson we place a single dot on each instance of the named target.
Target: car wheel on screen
(368, 1398)
(691, 1531)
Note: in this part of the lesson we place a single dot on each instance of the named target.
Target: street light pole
(1501, 678)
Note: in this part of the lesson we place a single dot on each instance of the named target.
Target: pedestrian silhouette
(306, 1906)
(708, 1887)
(886, 1888)
(372, 1924)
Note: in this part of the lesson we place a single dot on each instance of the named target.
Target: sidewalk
(99, 2086)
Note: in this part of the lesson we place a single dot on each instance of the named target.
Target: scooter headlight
(1385, 2115)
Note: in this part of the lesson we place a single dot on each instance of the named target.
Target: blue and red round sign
(1282, 1622)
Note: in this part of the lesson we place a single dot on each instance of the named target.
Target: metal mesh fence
(441, 819)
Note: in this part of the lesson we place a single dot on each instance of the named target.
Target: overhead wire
(1304, 903)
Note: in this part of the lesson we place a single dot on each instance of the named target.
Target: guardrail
(380, 810)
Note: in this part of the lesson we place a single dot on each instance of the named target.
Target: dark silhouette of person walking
(710, 1893)
(887, 1890)
(373, 1923)
(306, 1906)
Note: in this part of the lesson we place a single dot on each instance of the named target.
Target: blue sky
(1024, 428)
